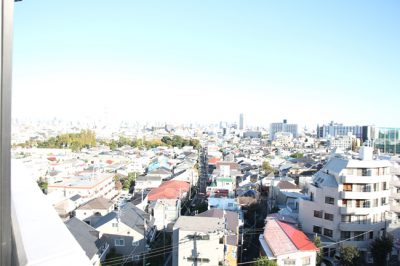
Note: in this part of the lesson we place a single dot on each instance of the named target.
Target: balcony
(356, 226)
(363, 195)
(350, 210)
(40, 236)
(353, 179)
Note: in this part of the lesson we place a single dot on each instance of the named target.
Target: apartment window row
(372, 187)
(199, 237)
(318, 230)
(364, 203)
(369, 171)
(198, 259)
(320, 214)
(356, 235)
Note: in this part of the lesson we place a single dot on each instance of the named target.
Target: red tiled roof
(213, 160)
(299, 239)
(169, 190)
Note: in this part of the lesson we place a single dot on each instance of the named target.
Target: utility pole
(164, 230)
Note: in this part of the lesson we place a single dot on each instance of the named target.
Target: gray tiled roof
(87, 236)
(96, 204)
(232, 218)
(129, 215)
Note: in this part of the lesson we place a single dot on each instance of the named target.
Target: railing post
(6, 24)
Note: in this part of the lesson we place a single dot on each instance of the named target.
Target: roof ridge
(283, 229)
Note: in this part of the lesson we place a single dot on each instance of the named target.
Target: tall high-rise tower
(241, 121)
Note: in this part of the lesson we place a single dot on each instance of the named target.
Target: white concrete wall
(298, 256)
(210, 249)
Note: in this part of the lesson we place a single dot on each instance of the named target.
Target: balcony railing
(40, 236)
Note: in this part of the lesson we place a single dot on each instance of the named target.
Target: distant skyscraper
(241, 121)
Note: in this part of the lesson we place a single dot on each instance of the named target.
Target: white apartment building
(342, 142)
(282, 127)
(335, 129)
(87, 185)
(348, 200)
(283, 139)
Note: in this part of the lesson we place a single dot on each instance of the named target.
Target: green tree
(113, 145)
(132, 178)
(266, 167)
(166, 140)
(380, 248)
(127, 184)
(264, 261)
(349, 256)
(317, 243)
(43, 184)
(297, 155)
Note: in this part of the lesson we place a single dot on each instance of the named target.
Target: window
(367, 188)
(344, 202)
(328, 216)
(328, 232)
(135, 243)
(347, 187)
(318, 214)
(317, 229)
(384, 186)
(366, 172)
(306, 261)
(366, 204)
(345, 235)
(289, 262)
(346, 218)
(198, 259)
(119, 242)
(371, 235)
(114, 224)
(358, 236)
(383, 201)
(376, 203)
(329, 200)
(350, 171)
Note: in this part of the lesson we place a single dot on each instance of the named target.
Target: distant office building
(252, 134)
(335, 130)
(282, 127)
(241, 121)
(387, 140)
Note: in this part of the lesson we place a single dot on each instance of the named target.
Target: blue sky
(178, 61)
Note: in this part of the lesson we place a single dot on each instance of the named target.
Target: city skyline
(177, 62)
